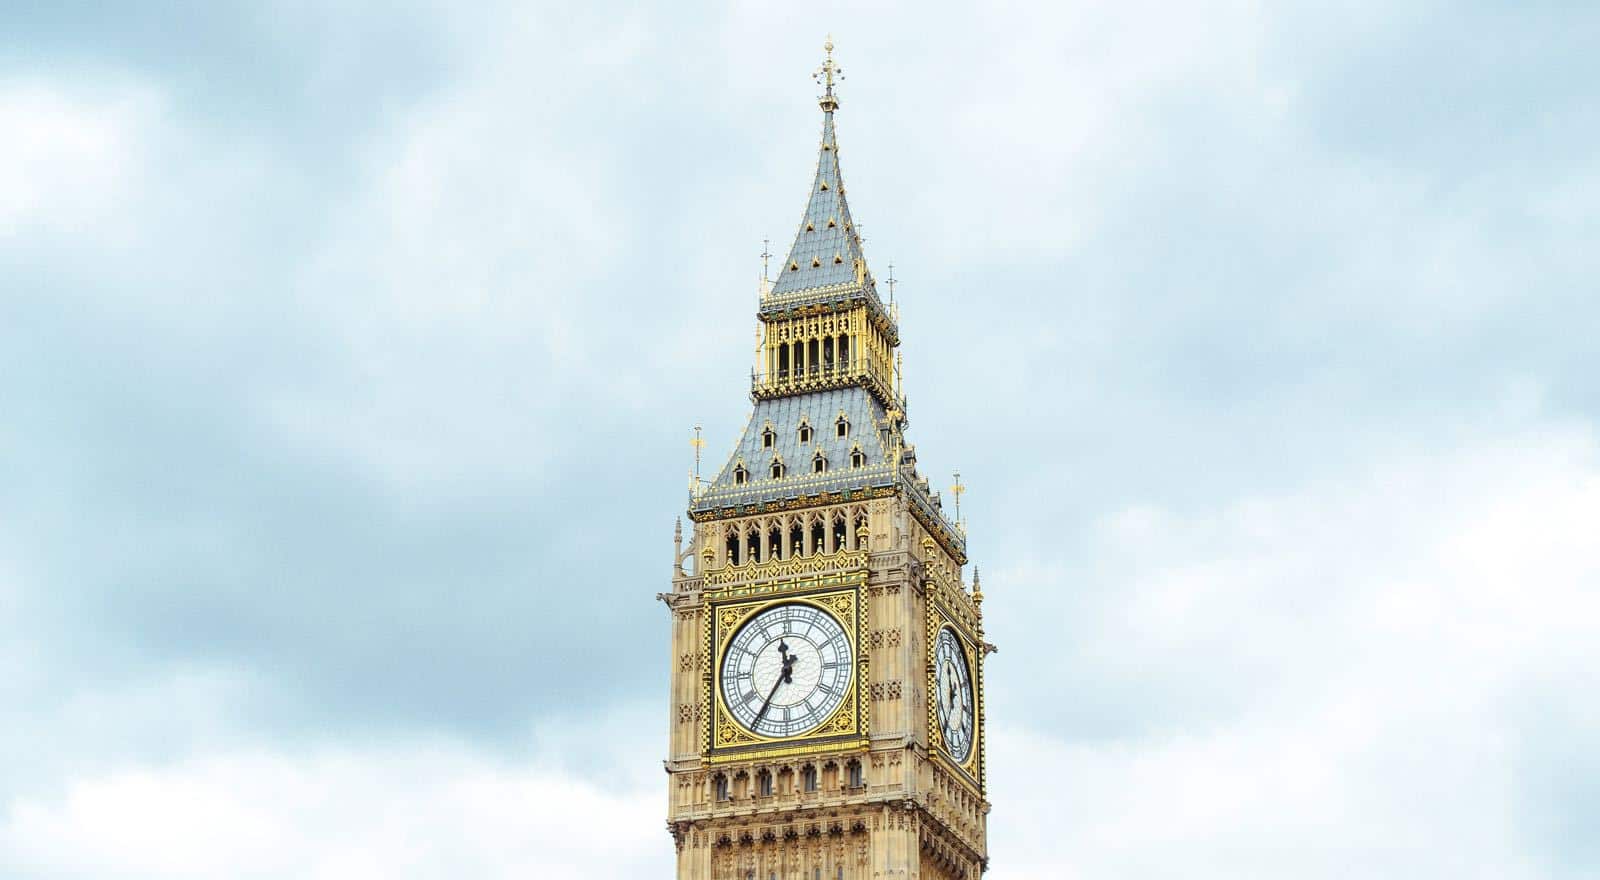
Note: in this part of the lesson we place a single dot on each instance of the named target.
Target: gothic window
(839, 536)
(740, 475)
(858, 458)
(805, 433)
(817, 537)
(853, 769)
(797, 539)
(844, 350)
(819, 463)
(783, 361)
(752, 542)
(720, 783)
(764, 784)
(768, 438)
(777, 469)
(774, 541)
(842, 427)
(808, 777)
(733, 548)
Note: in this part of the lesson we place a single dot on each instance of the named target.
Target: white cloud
(71, 159)
(1350, 680)
(422, 811)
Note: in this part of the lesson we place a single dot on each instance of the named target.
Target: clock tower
(826, 716)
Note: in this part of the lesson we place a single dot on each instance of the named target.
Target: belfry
(827, 714)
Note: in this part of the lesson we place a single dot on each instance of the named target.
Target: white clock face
(786, 670)
(952, 683)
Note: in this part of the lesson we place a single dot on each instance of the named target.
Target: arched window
(774, 541)
(808, 777)
(805, 433)
(858, 458)
(819, 463)
(842, 427)
(752, 544)
(777, 469)
(818, 535)
(740, 475)
(853, 771)
(840, 533)
(764, 784)
(797, 539)
(720, 784)
(769, 437)
(733, 548)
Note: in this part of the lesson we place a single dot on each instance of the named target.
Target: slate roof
(868, 431)
(784, 416)
(827, 245)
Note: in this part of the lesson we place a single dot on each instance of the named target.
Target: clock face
(952, 683)
(786, 670)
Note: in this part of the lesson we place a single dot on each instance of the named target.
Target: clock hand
(786, 675)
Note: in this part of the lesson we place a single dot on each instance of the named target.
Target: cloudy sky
(348, 361)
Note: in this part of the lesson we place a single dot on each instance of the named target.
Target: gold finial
(698, 443)
(977, 587)
(825, 76)
(957, 490)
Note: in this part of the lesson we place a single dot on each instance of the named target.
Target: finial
(899, 374)
(957, 491)
(698, 443)
(977, 586)
(891, 280)
(825, 76)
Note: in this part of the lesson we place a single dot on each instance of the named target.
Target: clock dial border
(835, 679)
(971, 770)
(725, 738)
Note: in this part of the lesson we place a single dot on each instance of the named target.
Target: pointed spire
(827, 248)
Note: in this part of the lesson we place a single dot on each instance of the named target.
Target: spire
(827, 247)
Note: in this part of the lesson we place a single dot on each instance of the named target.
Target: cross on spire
(825, 76)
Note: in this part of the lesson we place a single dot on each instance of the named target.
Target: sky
(349, 356)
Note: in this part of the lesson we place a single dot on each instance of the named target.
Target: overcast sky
(348, 362)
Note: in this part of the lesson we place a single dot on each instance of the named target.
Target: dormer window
(740, 475)
(857, 458)
(805, 433)
(777, 469)
(819, 463)
(842, 427)
(769, 438)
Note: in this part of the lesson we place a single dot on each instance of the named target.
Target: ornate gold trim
(840, 596)
(972, 769)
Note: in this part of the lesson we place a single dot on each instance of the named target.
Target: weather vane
(957, 490)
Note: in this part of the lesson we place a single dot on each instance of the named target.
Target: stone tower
(827, 656)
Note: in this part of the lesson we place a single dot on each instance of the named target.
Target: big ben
(827, 715)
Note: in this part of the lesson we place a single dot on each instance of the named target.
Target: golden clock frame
(724, 739)
(970, 771)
